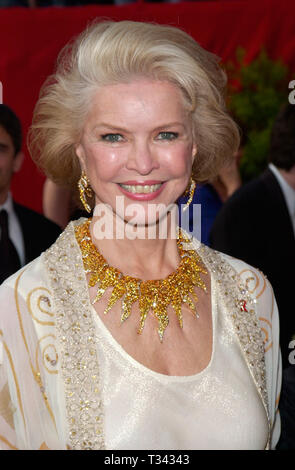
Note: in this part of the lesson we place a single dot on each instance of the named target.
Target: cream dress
(65, 383)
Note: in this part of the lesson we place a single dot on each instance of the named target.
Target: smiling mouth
(141, 189)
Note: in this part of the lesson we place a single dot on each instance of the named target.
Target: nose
(142, 158)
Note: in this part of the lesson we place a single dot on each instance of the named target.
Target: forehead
(141, 99)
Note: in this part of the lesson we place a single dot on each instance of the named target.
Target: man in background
(257, 224)
(24, 234)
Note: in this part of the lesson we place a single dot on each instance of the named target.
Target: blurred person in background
(211, 196)
(24, 233)
(257, 224)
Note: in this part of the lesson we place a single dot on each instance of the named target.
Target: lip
(142, 196)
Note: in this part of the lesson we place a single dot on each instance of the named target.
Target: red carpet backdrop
(30, 40)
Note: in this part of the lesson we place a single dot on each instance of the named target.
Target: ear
(194, 152)
(81, 156)
(18, 161)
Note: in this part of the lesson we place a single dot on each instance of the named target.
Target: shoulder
(219, 257)
(247, 277)
(243, 269)
(252, 276)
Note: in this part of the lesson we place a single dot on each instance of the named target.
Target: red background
(30, 40)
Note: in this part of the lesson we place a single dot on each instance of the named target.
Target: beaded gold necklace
(154, 295)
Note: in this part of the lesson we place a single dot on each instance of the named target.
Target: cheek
(6, 165)
(179, 161)
(103, 163)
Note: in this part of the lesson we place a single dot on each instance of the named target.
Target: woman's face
(137, 144)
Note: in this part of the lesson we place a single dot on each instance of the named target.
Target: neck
(152, 255)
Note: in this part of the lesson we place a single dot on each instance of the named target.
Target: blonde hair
(114, 52)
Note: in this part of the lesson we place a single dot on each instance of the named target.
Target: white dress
(65, 383)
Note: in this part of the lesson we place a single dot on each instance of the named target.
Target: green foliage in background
(256, 93)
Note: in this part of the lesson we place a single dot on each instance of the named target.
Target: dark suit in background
(24, 234)
(254, 225)
(257, 225)
(39, 233)
(287, 410)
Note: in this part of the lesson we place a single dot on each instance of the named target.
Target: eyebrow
(122, 129)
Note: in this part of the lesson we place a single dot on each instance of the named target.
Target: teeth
(141, 189)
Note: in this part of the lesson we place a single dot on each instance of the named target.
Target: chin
(153, 226)
(137, 220)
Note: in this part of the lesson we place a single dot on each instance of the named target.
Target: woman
(119, 337)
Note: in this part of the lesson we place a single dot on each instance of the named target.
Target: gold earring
(84, 190)
(189, 192)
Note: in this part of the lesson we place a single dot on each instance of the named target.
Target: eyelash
(172, 135)
(110, 137)
(114, 137)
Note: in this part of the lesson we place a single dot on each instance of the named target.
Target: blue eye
(167, 135)
(112, 137)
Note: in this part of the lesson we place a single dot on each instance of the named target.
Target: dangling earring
(190, 192)
(84, 190)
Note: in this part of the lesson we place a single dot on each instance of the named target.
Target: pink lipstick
(141, 190)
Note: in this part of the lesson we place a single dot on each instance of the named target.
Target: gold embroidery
(266, 321)
(267, 347)
(6, 407)
(49, 362)
(18, 310)
(36, 372)
(43, 446)
(263, 288)
(15, 380)
(76, 337)
(256, 279)
(266, 335)
(42, 298)
(247, 280)
(3, 439)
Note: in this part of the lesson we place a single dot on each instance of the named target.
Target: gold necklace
(155, 295)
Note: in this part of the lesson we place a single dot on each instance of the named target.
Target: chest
(183, 350)
(163, 411)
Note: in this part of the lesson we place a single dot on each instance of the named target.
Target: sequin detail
(153, 296)
(76, 337)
